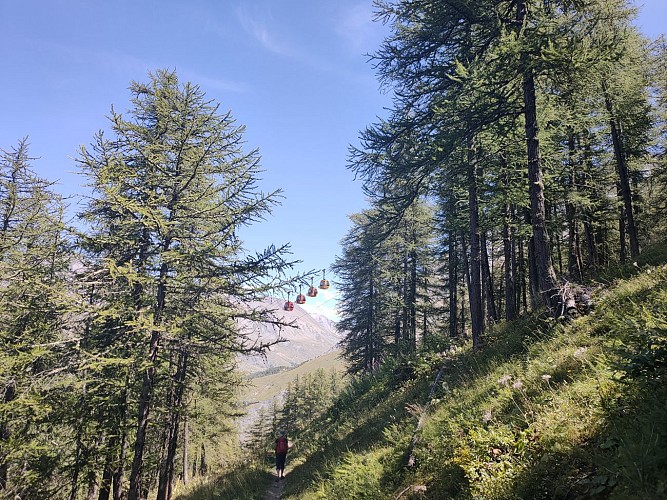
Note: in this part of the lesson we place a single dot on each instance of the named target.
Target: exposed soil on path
(275, 492)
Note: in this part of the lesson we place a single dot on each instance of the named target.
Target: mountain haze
(311, 343)
(311, 336)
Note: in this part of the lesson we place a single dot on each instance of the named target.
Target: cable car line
(312, 292)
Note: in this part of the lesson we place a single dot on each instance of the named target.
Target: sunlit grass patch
(239, 483)
(545, 410)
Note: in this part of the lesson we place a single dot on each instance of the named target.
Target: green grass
(544, 410)
(243, 482)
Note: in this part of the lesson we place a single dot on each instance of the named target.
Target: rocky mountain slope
(312, 335)
(311, 344)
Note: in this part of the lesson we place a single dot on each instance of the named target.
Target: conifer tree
(387, 275)
(460, 69)
(172, 188)
(34, 338)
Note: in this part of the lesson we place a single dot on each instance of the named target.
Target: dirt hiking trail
(275, 492)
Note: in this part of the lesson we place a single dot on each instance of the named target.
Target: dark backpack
(281, 445)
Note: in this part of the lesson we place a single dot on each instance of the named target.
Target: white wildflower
(580, 352)
(505, 379)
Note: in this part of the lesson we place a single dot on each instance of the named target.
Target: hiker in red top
(281, 454)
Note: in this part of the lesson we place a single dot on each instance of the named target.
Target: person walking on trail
(281, 455)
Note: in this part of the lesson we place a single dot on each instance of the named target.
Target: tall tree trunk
(491, 312)
(573, 253)
(425, 332)
(147, 386)
(509, 270)
(397, 332)
(533, 284)
(475, 288)
(167, 430)
(603, 244)
(427, 309)
(186, 448)
(167, 473)
(466, 277)
(370, 355)
(107, 473)
(5, 434)
(574, 263)
(453, 282)
(203, 465)
(92, 486)
(413, 299)
(522, 292)
(546, 277)
(623, 252)
(558, 249)
(623, 175)
(405, 333)
(80, 447)
(119, 471)
(591, 244)
(484, 280)
(145, 400)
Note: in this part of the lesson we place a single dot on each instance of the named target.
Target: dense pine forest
(524, 155)
(519, 175)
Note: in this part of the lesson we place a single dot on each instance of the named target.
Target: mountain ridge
(311, 336)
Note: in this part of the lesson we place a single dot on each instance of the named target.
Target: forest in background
(524, 158)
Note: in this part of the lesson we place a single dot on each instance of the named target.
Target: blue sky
(294, 72)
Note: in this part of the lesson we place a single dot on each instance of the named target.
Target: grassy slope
(545, 410)
(249, 481)
(542, 412)
(270, 386)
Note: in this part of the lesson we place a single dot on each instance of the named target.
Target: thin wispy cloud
(358, 30)
(130, 67)
(111, 62)
(257, 20)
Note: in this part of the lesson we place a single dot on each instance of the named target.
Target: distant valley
(313, 336)
(313, 344)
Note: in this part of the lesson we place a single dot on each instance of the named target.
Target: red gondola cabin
(312, 291)
(324, 284)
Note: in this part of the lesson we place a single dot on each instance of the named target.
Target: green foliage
(113, 352)
(357, 476)
(240, 482)
(141, 326)
(167, 276)
(35, 346)
(302, 407)
(544, 410)
(648, 360)
(386, 284)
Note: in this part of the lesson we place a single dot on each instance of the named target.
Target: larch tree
(359, 271)
(458, 68)
(35, 307)
(171, 189)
